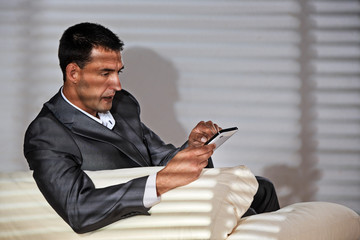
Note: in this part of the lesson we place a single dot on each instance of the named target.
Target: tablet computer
(220, 137)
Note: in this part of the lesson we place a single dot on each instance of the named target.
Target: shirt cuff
(150, 195)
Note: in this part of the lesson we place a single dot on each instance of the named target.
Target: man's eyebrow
(107, 70)
(111, 69)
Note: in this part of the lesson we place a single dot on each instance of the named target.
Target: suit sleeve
(56, 165)
(161, 153)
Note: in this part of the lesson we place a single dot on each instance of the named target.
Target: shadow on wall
(152, 80)
(295, 184)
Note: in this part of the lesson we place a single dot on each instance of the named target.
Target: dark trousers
(265, 199)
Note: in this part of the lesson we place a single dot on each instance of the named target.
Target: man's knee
(265, 199)
(265, 185)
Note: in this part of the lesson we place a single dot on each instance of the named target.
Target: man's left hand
(202, 132)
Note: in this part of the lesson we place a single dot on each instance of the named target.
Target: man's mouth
(108, 98)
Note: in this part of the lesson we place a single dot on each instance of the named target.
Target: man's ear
(72, 72)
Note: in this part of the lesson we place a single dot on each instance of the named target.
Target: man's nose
(116, 85)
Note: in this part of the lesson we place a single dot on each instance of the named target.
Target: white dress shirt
(107, 119)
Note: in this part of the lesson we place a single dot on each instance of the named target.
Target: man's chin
(105, 108)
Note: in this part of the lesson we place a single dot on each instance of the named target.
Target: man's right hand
(184, 168)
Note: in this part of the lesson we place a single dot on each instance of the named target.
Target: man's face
(98, 81)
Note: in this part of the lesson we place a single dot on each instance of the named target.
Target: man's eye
(105, 74)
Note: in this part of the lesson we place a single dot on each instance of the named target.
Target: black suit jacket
(62, 142)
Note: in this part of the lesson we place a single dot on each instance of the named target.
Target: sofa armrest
(309, 220)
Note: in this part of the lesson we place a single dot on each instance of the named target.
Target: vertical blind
(334, 47)
(285, 72)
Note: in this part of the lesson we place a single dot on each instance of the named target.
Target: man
(93, 124)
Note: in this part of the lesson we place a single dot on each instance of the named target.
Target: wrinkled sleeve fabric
(56, 163)
(161, 153)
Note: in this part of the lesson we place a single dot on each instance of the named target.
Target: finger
(210, 125)
(204, 151)
(217, 127)
(200, 138)
(204, 163)
(207, 129)
(205, 126)
(203, 132)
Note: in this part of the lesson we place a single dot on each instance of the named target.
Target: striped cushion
(208, 208)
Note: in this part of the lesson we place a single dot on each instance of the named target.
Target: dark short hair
(77, 42)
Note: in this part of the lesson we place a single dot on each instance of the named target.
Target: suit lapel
(82, 125)
(123, 128)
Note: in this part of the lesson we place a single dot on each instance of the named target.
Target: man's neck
(65, 97)
(105, 119)
(68, 94)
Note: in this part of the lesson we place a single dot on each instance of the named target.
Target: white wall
(286, 72)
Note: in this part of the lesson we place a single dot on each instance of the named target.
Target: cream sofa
(209, 208)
